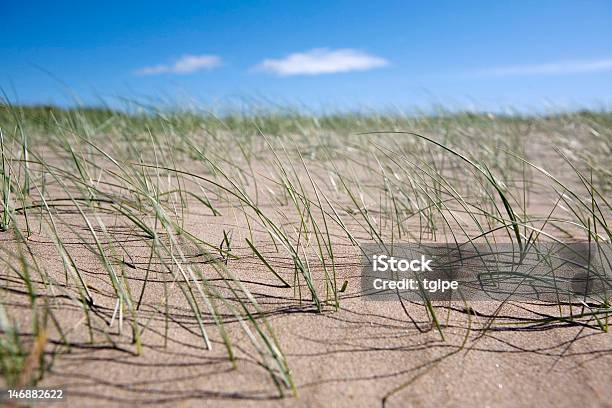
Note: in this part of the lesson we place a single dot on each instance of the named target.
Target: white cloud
(322, 61)
(553, 68)
(187, 64)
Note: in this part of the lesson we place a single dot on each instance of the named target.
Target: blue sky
(532, 55)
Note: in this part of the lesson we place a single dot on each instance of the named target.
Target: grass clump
(154, 212)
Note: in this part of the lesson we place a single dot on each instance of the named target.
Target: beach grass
(129, 192)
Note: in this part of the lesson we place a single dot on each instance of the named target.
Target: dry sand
(352, 357)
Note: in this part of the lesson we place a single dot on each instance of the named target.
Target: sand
(351, 357)
(364, 354)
